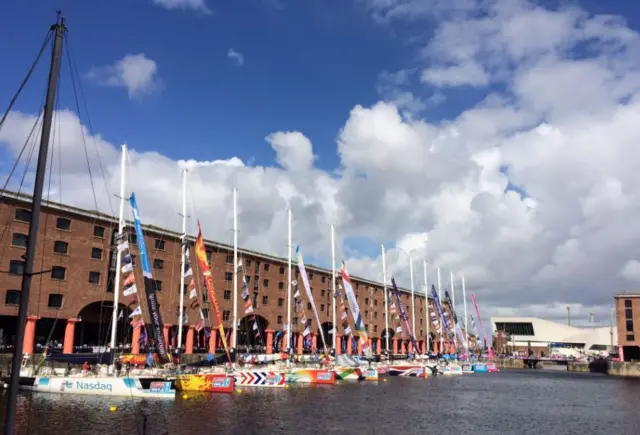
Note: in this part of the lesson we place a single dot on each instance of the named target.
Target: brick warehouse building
(71, 300)
(627, 306)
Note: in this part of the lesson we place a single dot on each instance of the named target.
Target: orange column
(314, 340)
(436, 345)
(424, 346)
(213, 339)
(165, 334)
(378, 346)
(300, 343)
(349, 345)
(395, 346)
(338, 344)
(69, 334)
(269, 341)
(188, 346)
(135, 340)
(29, 335)
(410, 347)
(403, 349)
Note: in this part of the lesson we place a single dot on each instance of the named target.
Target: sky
(494, 139)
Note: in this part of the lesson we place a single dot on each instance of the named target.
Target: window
(227, 295)
(226, 314)
(98, 231)
(158, 264)
(524, 328)
(280, 285)
(205, 295)
(185, 289)
(280, 302)
(209, 254)
(265, 300)
(159, 244)
(308, 305)
(16, 267)
(627, 303)
(628, 313)
(375, 315)
(322, 307)
(281, 270)
(322, 293)
(631, 337)
(96, 253)
(229, 259)
(247, 263)
(366, 314)
(12, 297)
(629, 325)
(23, 215)
(366, 301)
(375, 328)
(205, 313)
(94, 277)
(133, 238)
(375, 302)
(157, 285)
(266, 267)
(55, 300)
(58, 272)
(63, 224)
(256, 282)
(19, 240)
(247, 279)
(324, 279)
(310, 276)
(279, 320)
(265, 283)
(228, 276)
(257, 268)
(295, 320)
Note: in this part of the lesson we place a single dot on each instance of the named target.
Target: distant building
(544, 338)
(628, 325)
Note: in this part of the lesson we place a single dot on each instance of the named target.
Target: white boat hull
(99, 386)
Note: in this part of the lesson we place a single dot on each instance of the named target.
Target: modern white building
(546, 338)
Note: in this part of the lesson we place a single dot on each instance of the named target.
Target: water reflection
(520, 402)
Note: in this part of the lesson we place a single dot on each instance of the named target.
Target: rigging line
(15, 166)
(84, 142)
(26, 79)
(74, 71)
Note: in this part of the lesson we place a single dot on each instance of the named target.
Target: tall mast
(386, 298)
(333, 285)
(121, 225)
(464, 304)
(440, 298)
(41, 168)
(289, 243)
(183, 256)
(426, 300)
(234, 339)
(453, 308)
(413, 298)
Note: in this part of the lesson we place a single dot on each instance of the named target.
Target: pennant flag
(123, 246)
(130, 290)
(129, 280)
(136, 312)
(193, 293)
(127, 268)
(347, 330)
(121, 315)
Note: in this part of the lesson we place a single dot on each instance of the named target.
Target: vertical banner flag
(355, 310)
(149, 287)
(484, 337)
(201, 255)
(305, 282)
(405, 317)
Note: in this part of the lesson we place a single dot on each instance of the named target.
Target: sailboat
(25, 378)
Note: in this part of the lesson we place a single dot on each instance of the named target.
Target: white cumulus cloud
(134, 72)
(236, 57)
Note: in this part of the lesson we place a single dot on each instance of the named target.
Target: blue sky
(305, 67)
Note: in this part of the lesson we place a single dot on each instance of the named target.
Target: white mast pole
(386, 298)
(121, 225)
(426, 300)
(413, 299)
(184, 256)
(234, 339)
(464, 303)
(441, 326)
(289, 243)
(453, 306)
(333, 285)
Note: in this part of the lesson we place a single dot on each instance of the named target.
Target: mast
(289, 332)
(333, 285)
(54, 71)
(440, 297)
(121, 225)
(386, 298)
(413, 299)
(234, 339)
(464, 304)
(453, 291)
(183, 258)
(426, 300)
